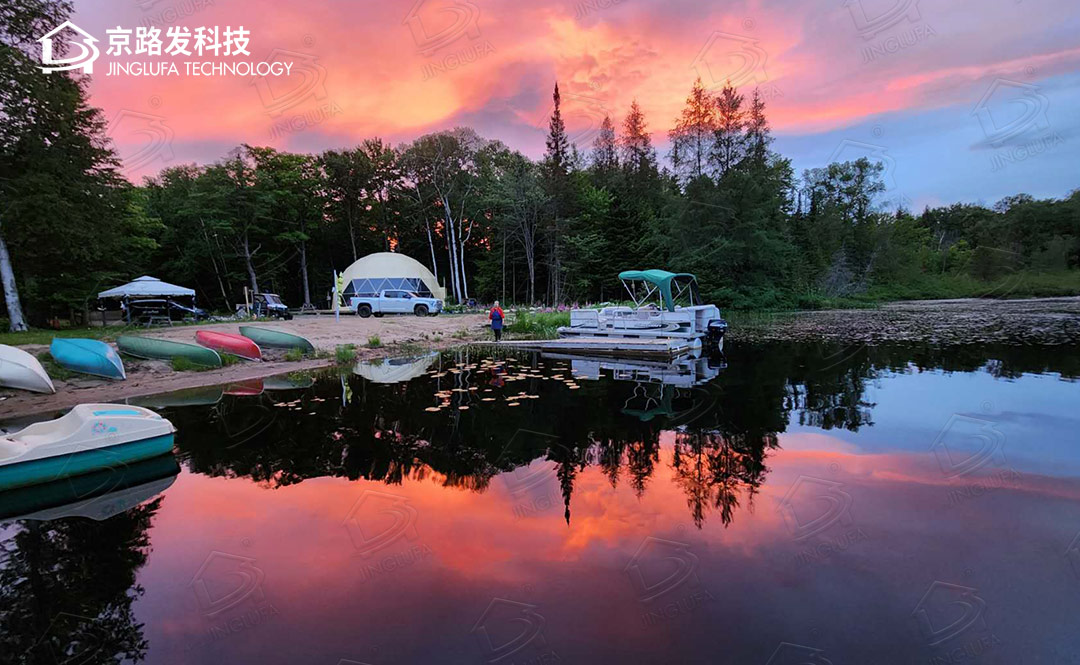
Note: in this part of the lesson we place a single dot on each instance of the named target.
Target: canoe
(89, 438)
(87, 356)
(98, 495)
(237, 345)
(166, 349)
(277, 339)
(19, 369)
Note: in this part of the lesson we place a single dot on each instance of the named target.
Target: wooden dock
(616, 347)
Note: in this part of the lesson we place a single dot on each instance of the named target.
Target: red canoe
(237, 345)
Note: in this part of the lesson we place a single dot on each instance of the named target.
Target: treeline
(489, 222)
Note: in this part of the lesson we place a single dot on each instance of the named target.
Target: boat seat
(11, 448)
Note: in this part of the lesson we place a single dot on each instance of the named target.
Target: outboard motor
(714, 333)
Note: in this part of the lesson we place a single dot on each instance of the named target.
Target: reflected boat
(682, 372)
(246, 388)
(96, 496)
(201, 396)
(288, 382)
(395, 370)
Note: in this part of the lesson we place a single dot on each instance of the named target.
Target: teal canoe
(87, 356)
(277, 339)
(166, 349)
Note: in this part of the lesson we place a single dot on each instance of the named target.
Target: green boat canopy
(661, 279)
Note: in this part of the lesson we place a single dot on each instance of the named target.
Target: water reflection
(519, 507)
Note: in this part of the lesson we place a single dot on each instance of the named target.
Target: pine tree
(638, 155)
(693, 135)
(605, 156)
(730, 144)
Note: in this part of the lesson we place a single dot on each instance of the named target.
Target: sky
(960, 100)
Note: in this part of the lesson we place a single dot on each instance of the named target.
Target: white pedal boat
(89, 438)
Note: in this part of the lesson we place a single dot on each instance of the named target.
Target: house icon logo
(88, 51)
(849, 151)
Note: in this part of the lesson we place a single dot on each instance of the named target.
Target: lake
(783, 504)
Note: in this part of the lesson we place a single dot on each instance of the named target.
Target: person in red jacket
(496, 316)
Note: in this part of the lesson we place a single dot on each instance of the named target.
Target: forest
(489, 221)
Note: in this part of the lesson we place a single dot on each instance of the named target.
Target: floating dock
(617, 347)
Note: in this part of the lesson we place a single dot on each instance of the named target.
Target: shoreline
(1041, 321)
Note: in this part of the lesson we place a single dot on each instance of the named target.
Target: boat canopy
(662, 281)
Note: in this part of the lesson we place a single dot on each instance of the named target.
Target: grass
(54, 370)
(106, 333)
(345, 354)
(537, 325)
(374, 342)
(294, 355)
(181, 364)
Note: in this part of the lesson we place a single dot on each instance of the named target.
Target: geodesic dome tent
(388, 270)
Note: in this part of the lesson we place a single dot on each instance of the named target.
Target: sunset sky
(962, 100)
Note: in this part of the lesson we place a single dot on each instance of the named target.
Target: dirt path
(147, 377)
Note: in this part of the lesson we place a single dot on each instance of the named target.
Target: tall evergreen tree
(693, 135)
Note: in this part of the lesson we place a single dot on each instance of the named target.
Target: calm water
(791, 504)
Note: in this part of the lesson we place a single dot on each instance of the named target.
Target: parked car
(270, 304)
(395, 302)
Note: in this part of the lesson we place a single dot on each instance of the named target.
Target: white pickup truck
(395, 302)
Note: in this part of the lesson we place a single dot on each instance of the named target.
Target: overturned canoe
(89, 438)
(87, 356)
(277, 339)
(237, 345)
(166, 349)
(19, 369)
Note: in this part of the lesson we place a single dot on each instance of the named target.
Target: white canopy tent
(147, 287)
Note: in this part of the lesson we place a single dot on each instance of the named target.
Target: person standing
(496, 316)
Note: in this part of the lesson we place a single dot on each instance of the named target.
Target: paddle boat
(98, 495)
(88, 438)
(237, 345)
(87, 356)
(166, 349)
(666, 306)
(19, 369)
(277, 339)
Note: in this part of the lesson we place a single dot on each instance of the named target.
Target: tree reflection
(67, 587)
(722, 431)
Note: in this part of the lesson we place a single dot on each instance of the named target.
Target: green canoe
(150, 347)
(277, 338)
